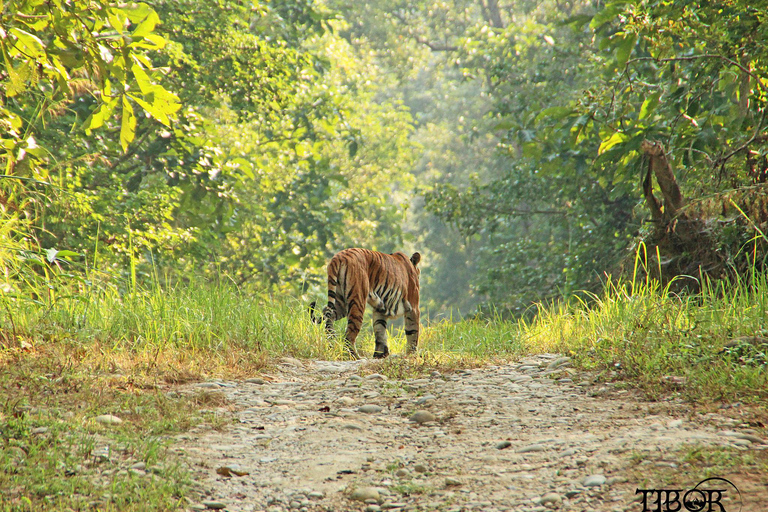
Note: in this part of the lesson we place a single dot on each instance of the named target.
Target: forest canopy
(526, 148)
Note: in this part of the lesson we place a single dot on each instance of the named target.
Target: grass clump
(663, 341)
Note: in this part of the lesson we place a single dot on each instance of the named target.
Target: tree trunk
(658, 163)
(491, 13)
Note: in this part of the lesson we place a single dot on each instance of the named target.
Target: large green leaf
(128, 124)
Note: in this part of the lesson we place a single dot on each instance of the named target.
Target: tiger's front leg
(380, 332)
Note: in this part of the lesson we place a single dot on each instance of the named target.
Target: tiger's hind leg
(380, 332)
(354, 323)
(412, 330)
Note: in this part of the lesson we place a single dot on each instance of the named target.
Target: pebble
(740, 435)
(108, 419)
(551, 498)
(370, 409)
(559, 363)
(420, 468)
(422, 417)
(255, 380)
(209, 385)
(365, 494)
(289, 403)
(593, 481)
(214, 505)
(393, 506)
(502, 445)
(376, 376)
(532, 448)
(450, 481)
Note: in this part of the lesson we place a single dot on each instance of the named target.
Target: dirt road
(530, 436)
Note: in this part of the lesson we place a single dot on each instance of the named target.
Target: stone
(376, 376)
(209, 385)
(532, 448)
(255, 380)
(420, 468)
(108, 419)
(559, 363)
(365, 494)
(422, 417)
(452, 482)
(551, 498)
(370, 409)
(502, 445)
(214, 505)
(393, 505)
(424, 399)
(593, 481)
(740, 435)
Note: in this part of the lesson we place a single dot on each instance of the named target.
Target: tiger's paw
(352, 353)
(381, 352)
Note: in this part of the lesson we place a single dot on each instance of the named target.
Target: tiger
(389, 283)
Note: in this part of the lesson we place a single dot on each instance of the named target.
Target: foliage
(81, 67)
(270, 153)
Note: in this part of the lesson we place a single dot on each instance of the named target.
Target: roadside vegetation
(175, 176)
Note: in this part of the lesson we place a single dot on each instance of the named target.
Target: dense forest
(526, 148)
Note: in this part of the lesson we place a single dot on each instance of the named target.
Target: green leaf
(147, 25)
(100, 115)
(649, 105)
(152, 110)
(624, 49)
(30, 44)
(608, 13)
(616, 138)
(554, 113)
(128, 125)
(142, 78)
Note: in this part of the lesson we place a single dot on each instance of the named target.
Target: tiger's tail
(334, 310)
(312, 311)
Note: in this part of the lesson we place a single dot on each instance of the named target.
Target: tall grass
(705, 345)
(636, 329)
(193, 316)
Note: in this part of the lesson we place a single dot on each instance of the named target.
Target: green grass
(665, 342)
